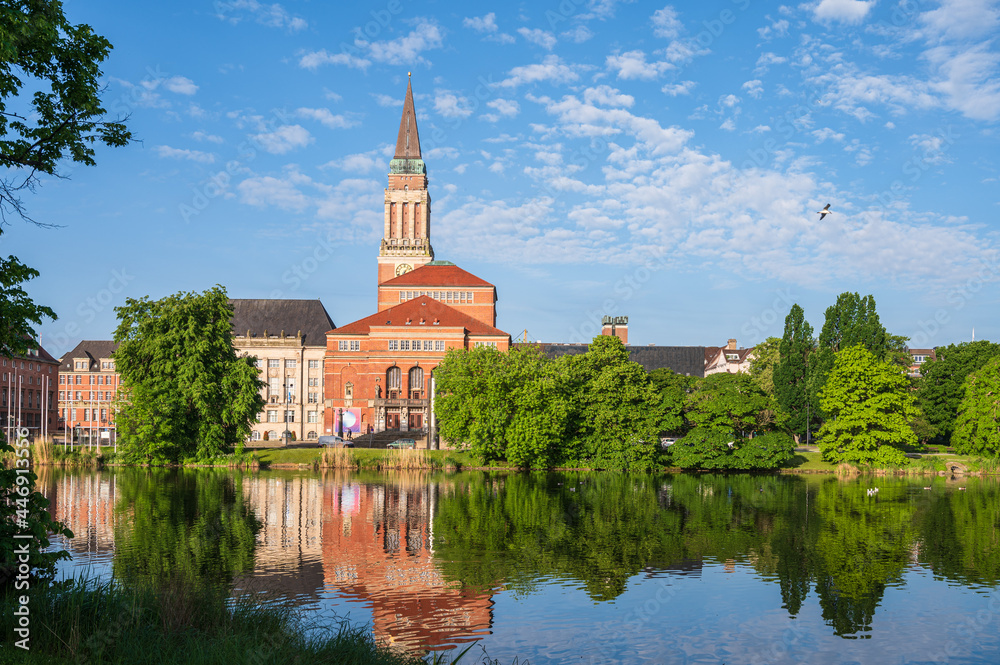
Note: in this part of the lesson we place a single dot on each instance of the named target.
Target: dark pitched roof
(37, 352)
(291, 316)
(408, 141)
(436, 275)
(413, 311)
(93, 350)
(686, 360)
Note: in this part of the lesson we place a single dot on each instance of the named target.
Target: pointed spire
(408, 141)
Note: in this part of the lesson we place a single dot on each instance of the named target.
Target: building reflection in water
(321, 537)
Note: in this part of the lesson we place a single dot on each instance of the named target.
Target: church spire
(408, 141)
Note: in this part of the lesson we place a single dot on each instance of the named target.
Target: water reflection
(430, 556)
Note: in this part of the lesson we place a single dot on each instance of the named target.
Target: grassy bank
(89, 622)
(367, 459)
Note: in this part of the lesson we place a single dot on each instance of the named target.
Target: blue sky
(589, 157)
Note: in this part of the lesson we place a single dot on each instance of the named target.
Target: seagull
(824, 212)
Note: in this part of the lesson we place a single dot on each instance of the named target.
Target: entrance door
(392, 421)
(416, 420)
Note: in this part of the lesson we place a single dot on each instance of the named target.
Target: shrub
(767, 451)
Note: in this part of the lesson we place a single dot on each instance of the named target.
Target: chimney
(732, 345)
(615, 326)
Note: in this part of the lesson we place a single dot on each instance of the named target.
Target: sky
(664, 162)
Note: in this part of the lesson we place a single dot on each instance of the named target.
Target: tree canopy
(977, 425)
(942, 383)
(186, 392)
(791, 374)
(60, 64)
(869, 406)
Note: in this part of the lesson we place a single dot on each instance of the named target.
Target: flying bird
(824, 212)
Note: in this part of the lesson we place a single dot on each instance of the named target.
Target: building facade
(379, 369)
(88, 387)
(28, 393)
(728, 358)
(288, 338)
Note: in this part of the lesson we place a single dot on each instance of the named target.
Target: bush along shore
(85, 621)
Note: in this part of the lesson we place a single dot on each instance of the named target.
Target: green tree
(942, 385)
(977, 426)
(60, 64)
(673, 389)
(187, 394)
(791, 374)
(869, 406)
(730, 403)
(764, 359)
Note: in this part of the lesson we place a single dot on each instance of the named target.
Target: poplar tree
(791, 374)
(977, 426)
(942, 383)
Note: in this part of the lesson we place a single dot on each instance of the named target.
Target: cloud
(181, 85)
(190, 155)
(487, 26)
(266, 191)
(426, 35)
(505, 108)
(450, 105)
(827, 133)
(633, 65)
(962, 19)
(666, 24)
(682, 88)
(777, 28)
(551, 69)
(845, 11)
(605, 95)
(211, 138)
(538, 36)
(754, 88)
(363, 162)
(387, 101)
(577, 35)
(284, 139)
(273, 15)
(765, 60)
(326, 117)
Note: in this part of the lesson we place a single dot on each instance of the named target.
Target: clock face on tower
(402, 269)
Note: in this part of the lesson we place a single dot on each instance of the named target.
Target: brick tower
(406, 242)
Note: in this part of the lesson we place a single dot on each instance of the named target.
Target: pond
(574, 567)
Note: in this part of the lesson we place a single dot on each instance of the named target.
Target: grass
(108, 622)
(366, 458)
(810, 462)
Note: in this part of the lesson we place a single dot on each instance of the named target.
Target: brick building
(88, 384)
(379, 369)
(27, 393)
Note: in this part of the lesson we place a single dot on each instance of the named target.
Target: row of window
(290, 363)
(443, 296)
(13, 377)
(78, 395)
(416, 345)
(489, 344)
(273, 435)
(72, 416)
(33, 397)
(31, 366)
(99, 379)
(349, 345)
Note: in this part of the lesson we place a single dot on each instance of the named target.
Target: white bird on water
(824, 212)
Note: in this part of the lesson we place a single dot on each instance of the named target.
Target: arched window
(348, 390)
(416, 382)
(311, 435)
(393, 381)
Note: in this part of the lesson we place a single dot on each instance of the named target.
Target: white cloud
(326, 117)
(450, 105)
(211, 138)
(968, 78)
(827, 133)
(577, 35)
(633, 65)
(505, 108)
(682, 88)
(266, 191)
(284, 139)
(754, 88)
(363, 162)
(273, 15)
(666, 24)
(538, 36)
(765, 60)
(426, 35)
(962, 19)
(845, 11)
(387, 101)
(181, 85)
(777, 28)
(487, 26)
(190, 155)
(605, 95)
(728, 125)
(550, 69)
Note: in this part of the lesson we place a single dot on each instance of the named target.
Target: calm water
(581, 568)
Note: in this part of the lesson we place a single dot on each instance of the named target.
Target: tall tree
(730, 403)
(791, 374)
(187, 394)
(977, 426)
(869, 406)
(674, 389)
(942, 385)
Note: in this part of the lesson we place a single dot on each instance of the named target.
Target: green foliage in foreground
(942, 384)
(87, 622)
(186, 393)
(705, 448)
(869, 406)
(977, 426)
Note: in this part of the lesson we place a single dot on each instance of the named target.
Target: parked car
(333, 442)
(400, 444)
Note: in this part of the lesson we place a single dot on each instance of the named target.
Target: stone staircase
(383, 439)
